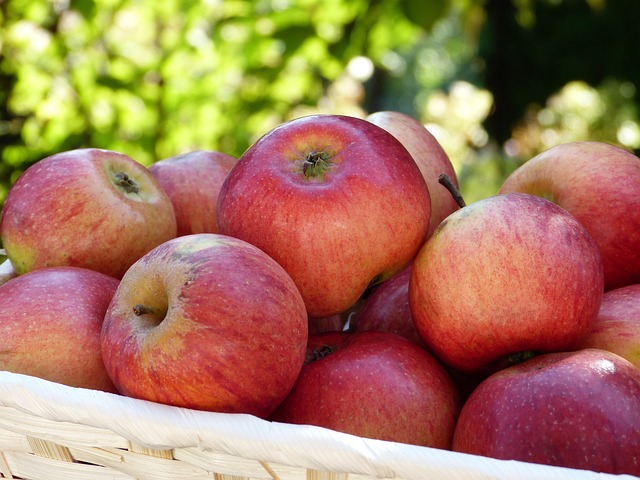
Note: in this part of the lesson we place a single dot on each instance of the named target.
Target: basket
(55, 432)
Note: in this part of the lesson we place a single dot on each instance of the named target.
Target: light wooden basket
(54, 432)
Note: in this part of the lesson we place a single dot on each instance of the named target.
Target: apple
(502, 279)
(50, 324)
(90, 208)
(336, 200)
(617, 328)
(375, 385)
(599, 184)
(386, 308)
(569, 409)
(208, 322)
(427, 153)
(192, 181)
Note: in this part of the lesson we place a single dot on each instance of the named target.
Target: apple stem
(446, 181)
(126, 182)
(140, 310)
(315, 164)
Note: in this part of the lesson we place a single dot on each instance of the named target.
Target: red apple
(579, 410)
(427, 153)
(89, 208)
(617, 328)
(375, 385)
(208, 322)
(192, 181)
(50, 322)
(599, 184)
(502, 278)
(336, 200)
(386, 309)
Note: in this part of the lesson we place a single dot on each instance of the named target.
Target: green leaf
(86, 8)
(425, 13)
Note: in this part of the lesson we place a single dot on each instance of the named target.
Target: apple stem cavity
(447, 183)
(125, 182)
(315, 164)
(318, 353)
(519, 357)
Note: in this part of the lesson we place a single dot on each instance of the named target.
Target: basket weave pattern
(36, 448)
(50, 431)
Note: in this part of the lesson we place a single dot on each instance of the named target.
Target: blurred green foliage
(495, 81)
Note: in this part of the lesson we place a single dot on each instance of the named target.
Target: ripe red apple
(192, 181)
(89, 208)
(336, 200)
(579, 410)
(617, 328)
(208, 322)
(386, 309)
(599, 184)
(502, 278)
(375, 385)
(427, 153)
(50, 322)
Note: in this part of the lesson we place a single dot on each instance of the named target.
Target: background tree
(495, 81)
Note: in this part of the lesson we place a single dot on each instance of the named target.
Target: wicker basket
(51, 431)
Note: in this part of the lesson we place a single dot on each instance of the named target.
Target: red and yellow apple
(208, 322)
(90, 208)
(599, 184)
(617, 328)
(503, 278)
(428, 154)
(50, 324)
(336, 200)
(192, 181)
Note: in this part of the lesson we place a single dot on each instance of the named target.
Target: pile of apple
(333, 275)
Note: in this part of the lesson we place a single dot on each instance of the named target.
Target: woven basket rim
(158, 426)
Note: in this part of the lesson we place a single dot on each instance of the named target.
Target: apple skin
(375, 385)
(502, 278)
(50, 324)
(208, 322)
(569, 409)
(192, 181)
(386, 308)
(599, 184)
(336, 200)
(617, 328)
(428, 155)
(69, 210)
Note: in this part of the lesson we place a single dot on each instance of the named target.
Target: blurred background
(495, 81)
